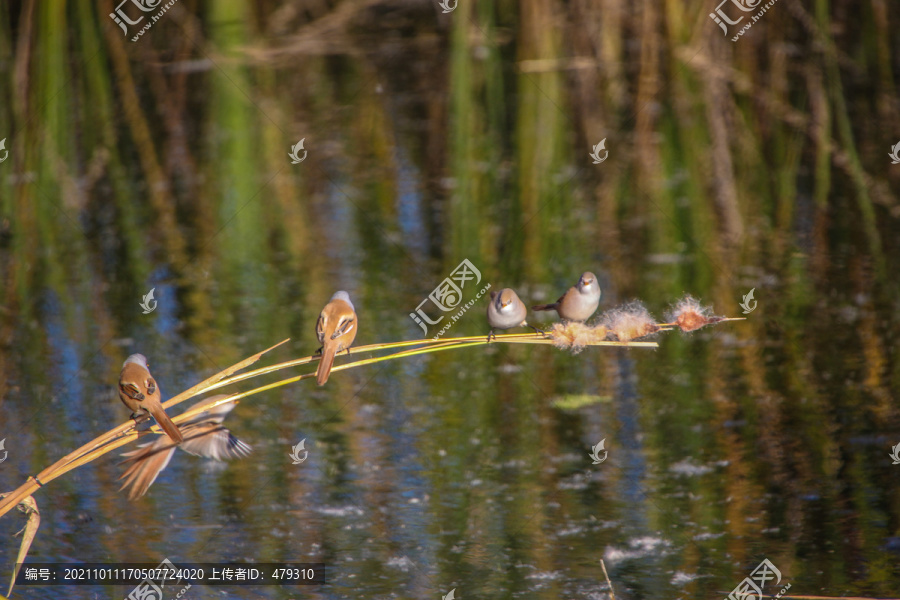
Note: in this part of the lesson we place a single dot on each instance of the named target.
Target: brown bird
(579, 302)
(506, 311)
(139, 392)
(204, 436)
(336, 330)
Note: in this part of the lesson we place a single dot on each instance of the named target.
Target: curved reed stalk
(125, 433)
(626, 324)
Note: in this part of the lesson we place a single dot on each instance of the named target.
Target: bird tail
(166, 423)
(544, 306)
(325, 364)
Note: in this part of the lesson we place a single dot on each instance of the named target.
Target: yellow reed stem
(123, 434)
(100, 445)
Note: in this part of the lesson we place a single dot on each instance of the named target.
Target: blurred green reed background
(432, 138)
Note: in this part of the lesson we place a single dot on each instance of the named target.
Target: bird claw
(140, 419)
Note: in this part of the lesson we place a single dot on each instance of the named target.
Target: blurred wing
(147, 462)
(214, 442)
(203, 436)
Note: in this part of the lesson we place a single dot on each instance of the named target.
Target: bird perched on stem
(139, 392)
(506, 311)
(579, 302)
(336, 330)
(204, 436)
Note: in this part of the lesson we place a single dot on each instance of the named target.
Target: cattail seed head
(690, 315)
(629, 322)
(575, 336)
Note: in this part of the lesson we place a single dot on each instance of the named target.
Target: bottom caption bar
(167, 573)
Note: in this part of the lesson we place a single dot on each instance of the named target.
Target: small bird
(336, 330)
(506, 311)
(139, 392)
(204, 436)
(579, 302)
